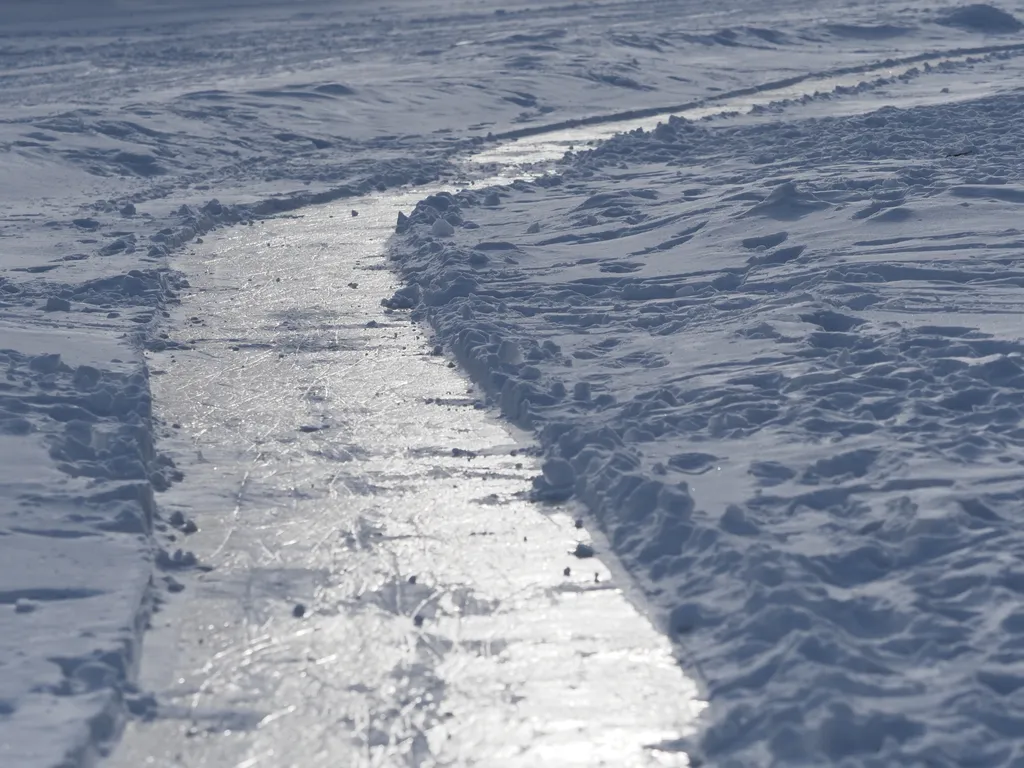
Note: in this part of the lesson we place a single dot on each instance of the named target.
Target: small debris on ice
(299, 611)
(583, 550)
(567, 571)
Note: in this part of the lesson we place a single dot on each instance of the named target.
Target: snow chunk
(441, 228)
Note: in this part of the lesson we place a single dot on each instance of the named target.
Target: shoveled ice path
(344, 468)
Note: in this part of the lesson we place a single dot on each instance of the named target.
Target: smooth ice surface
(345, 469)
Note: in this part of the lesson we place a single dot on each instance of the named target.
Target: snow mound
(983, 18)
(787, 202)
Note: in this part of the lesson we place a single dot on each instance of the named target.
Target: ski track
(843, 245)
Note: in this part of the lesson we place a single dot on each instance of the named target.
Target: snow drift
(781, 365)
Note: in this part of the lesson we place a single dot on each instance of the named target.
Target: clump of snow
(787, 202)
(979, 17)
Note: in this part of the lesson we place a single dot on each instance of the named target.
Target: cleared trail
(344, 469)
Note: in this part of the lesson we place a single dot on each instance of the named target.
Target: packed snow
(769, 344)
(382, 590)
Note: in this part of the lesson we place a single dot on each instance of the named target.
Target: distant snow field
(769, 347)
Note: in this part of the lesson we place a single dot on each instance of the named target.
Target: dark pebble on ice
(189, 527)
(412, 579)
(417, 620)
(355, 213)
(583, 550)
(353, 285)
(177, 519)
(299, 611)
(179, 559)
(373, 324)
(579, 522)
(567, 571)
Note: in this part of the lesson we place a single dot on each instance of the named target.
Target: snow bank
(781, 364)
(77, 481)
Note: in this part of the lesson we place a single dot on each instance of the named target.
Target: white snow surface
(774, 349)
(781, 363)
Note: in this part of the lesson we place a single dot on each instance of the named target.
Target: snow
(770, 345)
(796, 365)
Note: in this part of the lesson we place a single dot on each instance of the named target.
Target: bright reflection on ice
(550, 147)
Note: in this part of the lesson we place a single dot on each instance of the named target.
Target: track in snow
(345, 468)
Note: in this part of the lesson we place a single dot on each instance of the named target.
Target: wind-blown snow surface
(781, 362)
(123, 119)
